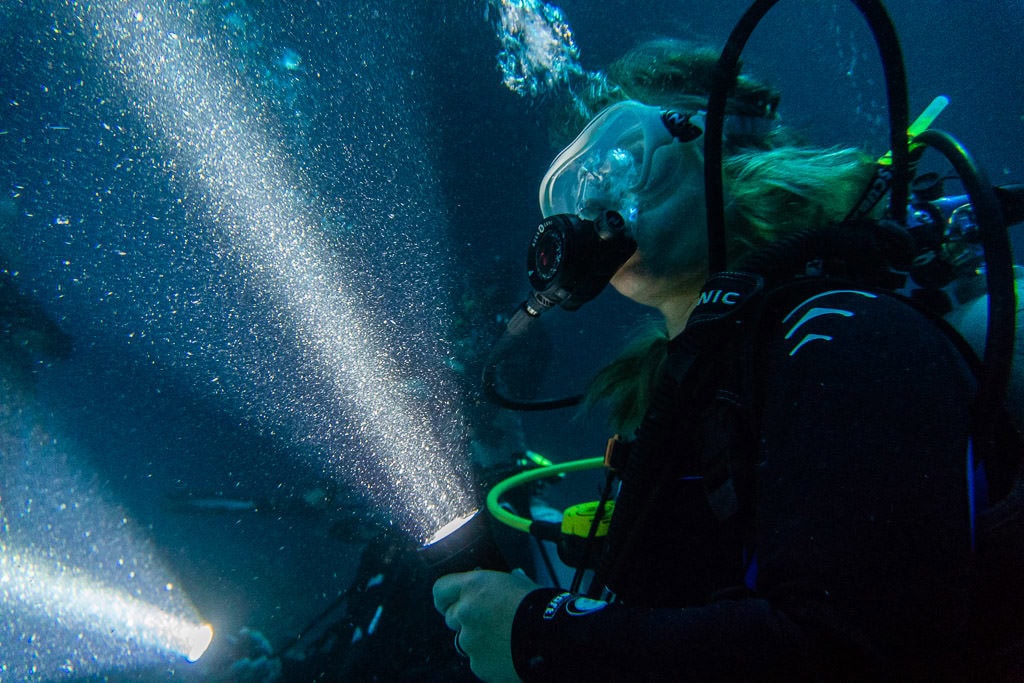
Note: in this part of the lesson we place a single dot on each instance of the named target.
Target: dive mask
(617, 162)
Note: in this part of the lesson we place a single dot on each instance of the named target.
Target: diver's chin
(669, 288)
(629, 279)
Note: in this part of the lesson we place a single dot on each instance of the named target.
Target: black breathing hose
(518, 326)
(1002, 299)
(728, 67)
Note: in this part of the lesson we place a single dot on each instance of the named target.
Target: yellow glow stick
(920, 124)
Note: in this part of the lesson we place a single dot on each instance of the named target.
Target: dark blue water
(418, 174)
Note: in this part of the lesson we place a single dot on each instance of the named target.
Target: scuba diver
(792, 501)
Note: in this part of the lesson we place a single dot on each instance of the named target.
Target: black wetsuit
(853, 561)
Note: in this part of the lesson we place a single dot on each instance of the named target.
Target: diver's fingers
(447, 590)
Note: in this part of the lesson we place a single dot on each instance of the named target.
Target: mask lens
(607, 167)
(605, 183)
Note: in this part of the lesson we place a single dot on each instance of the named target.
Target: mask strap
(680, 126)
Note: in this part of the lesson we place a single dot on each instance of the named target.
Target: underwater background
(253, 257)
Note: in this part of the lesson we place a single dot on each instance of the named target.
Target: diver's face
(670, 229)
(646, 165)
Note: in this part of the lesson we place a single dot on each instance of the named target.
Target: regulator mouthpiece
(572, 259)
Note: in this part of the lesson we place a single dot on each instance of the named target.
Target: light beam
(43, 588)
(82, 592)
(263, 207)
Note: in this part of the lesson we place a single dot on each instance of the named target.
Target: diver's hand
(480, 606)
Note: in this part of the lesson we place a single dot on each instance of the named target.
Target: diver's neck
(675, 298)
(679, 303)
(677, 312)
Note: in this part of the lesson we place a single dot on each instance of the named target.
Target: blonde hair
(774, 186)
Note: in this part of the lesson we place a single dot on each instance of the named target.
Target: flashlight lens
(198, 640)
(450, 528)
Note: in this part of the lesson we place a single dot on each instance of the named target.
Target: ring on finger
(458, 647)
